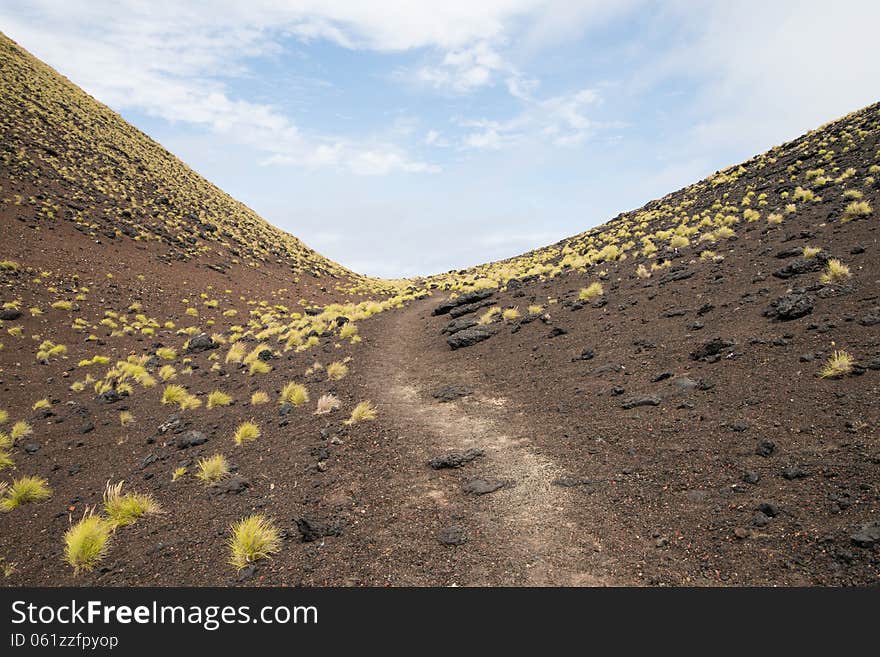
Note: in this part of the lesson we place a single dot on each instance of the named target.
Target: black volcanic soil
(673, 431)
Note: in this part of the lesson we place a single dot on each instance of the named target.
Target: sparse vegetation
(246, 432)
(857, 210)
(327, 404)
(23, 491)
(361, 413)
(20, 429)
(592, 291)
(212, 468)
(510, 314)
(253, 538)
(489, 316)
(87, 542)
(835, 271)
(218, 398)
(125, 509)
(839, 364)
(294, 393)
(259, 397)
(811, 251)
(337, 370)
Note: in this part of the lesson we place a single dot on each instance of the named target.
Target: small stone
(765, 448)
(452, 535)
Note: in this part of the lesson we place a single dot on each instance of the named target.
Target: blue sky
(403, 138)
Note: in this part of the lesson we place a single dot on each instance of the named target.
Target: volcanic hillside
(684, 395)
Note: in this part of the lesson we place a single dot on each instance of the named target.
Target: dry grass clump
(489, 316)
(835, 271)
(23, 491)
(126, 418)
(337, 371)
(86, 542)
(679, 242)
(294, 393)
(642, 272)
(166, 353)
(327, 404)
(236, 353)
(125, 509)
(246, 432)
(218, 398)
(839, 364)
(811, 251)
(4, 416)
(510, 314)
(856, 209)
(20, 430)
(212, 469)
(253, 538)
(535, 309)
(259, 367)
(259, 397)
(592, 291)
(361, 413)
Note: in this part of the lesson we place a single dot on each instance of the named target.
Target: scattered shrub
(835, 271)
(294, 393)
(326, 404)
(253, 538)
(24, 490)
(246, 432)
(361, 413)
(592, 291)
(218, 398)
(86, 542)
(125, 509)
(212, 468)
(259, 397)
(337, 371)
(856, 209)
(839, 364)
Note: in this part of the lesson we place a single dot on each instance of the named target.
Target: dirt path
(520, 533)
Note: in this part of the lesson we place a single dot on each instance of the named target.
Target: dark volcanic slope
(638, 404)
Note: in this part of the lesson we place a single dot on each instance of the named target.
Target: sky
(404, 137)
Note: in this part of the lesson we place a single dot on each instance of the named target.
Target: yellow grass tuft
(20, 430)
(592, 291)
(812, 251)
(86, 542)
(337, 370)
(840, 364)
(259, 397)
(125, 509)
(166, 353)
(510, 314)
(218, 398)
(259, 367)
(246, 432)
(835, 271)
(489, 316)
(174, 394)
(236, 353)
(212, 469)
(361, 413)
(856, 209)
(24, 490)
(253, 538)
(294, 393)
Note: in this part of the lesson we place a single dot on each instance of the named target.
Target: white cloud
(560, 120)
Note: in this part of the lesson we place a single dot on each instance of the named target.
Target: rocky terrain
(685, 395)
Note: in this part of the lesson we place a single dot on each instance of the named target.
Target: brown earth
(571, 488)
